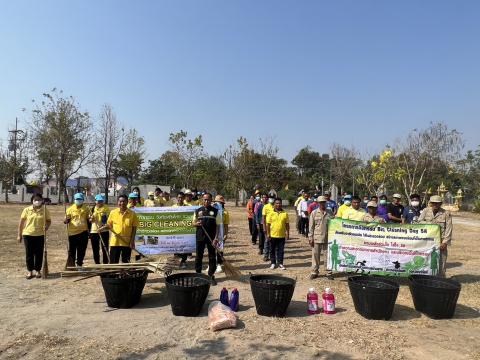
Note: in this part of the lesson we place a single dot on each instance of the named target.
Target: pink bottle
(312, 302)
(328, 300)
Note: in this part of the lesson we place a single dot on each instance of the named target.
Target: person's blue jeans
(277, 250)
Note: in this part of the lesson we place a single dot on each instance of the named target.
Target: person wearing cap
(371, 215)
(123, 223)
(317, 234)
(157, 197)
(133, 200)
(354, 212)
(395, 209)
(150, 201)
(34, 222)
(207, 220)
(347, 203)
(99, 238)
(382, 209)
(189, 198)
(77, 219)
(263, 248)
(331, 204)
(412, 212)
(140, 199)
(219, 204)
(435, 214)
(302, 211)
(313, 204)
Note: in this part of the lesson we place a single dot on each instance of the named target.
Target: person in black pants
(207, 220)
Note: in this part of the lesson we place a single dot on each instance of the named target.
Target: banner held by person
(383, 249)
(165, 230)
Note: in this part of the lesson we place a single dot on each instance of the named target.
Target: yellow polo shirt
(342, 209)
(169, 202)
(267, 208)
(186, 203)
(226, 217)
(352, 214)
(300, 198)
(122, 224)
(159, 201)
(278, 221)
(78, 219)
(97, 218)
(150, 203)
(34, 220)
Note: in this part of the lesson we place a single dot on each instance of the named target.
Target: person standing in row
(267, 209)
(157, 197)
(183, 257)
(34, 222)
(395, 210)
(99, 238)
(222, 236)
(140, 199)
(412, 212)
(263, 248)
(133, 201)
(278, 231)
(331, 204)
(382, 209)
(166, 199)
(302, 210)
(123, 223)
(371, 215)
(318, 234)
(150, 201)
(77, 220)
(354, 212)
(189, 199)
(295, 205)
(435, 214)
(347, 203)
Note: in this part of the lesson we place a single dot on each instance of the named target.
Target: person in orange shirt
(251, 214)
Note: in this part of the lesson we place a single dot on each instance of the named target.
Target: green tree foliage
(188, 152)
(131, 157)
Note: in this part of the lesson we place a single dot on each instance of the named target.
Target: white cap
(311, 290)
(328, 290)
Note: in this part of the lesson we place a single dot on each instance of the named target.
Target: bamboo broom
(45, 261)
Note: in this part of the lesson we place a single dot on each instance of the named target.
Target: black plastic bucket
(124, 290)
(435, 297)
(374, 297)
(272, 294)
(187, 293)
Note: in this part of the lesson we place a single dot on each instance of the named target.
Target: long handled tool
(70, 259)
(230, 270)
(45, 262)
(105, 249)
(122, 237)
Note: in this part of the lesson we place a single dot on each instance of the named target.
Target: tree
(377, 172)
(162, 170)
(210, 173)
(110, 141)
(312, 167)
(62, 135)
(188, 152)
(131, 157)
(344, 166)
(422, 153)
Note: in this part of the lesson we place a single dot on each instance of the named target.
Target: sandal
(29, 276)
(38, 276)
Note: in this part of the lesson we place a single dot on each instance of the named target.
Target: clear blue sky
(303, 72)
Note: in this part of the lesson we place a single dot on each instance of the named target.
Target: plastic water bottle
(312, 302)
(328, 301)
(234, 300)
(224, 296)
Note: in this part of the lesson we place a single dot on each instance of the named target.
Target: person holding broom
(34, 222)
(99, 239)
(76, 218)
(123, 223)
(207, 220)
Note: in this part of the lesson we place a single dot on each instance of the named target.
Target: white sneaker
(272, 266)
(219, 269)
(282, 267)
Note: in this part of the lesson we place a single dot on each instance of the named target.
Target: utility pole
(16, 136)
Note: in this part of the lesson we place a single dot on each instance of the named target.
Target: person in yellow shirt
(34, 220)
(347, 203)
(133, 200)
(166, 199)
(123, 223)
(150, 202)
(355, 212)
(99, 239)
(189, 198)
(278, 231)
(77, 219)
(157, 197)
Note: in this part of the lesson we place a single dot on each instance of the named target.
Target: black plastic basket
(187, 293)
(433, 296)
(124, 290)
(272, 294)
(374, 297)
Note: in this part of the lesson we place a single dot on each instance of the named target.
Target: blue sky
(358, 73)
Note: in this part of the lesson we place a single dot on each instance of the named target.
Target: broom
(230, 270)
(45, 262)
(70, 259)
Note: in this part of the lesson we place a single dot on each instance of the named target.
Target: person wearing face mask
(250, 213)
(364, 203)
(34, 220)
(411, 213)
(355, 212)
(150, 202)
(262, 244)
(278, 231)
(395, 210)
(347, 202)
(382, 209)
(140, 199)
(77, 218)
(219, 204)
(99, 239)
(133, 200)
(435, 214)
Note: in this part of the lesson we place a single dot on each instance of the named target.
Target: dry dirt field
(59, 319)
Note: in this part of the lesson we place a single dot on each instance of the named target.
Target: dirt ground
(58, 318)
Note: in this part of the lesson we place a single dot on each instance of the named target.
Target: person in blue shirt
(331, 205)
(412, 212)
